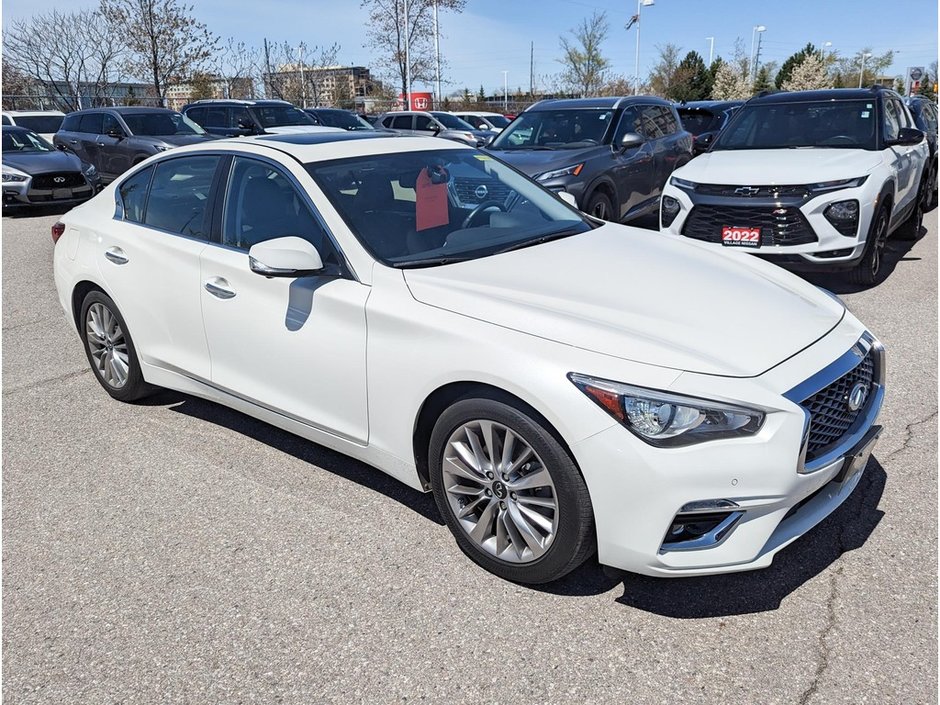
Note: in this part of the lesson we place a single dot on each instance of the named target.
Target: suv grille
(830, 416)
(473, 192)
(70, 179)
(779, 226)
(752, 191)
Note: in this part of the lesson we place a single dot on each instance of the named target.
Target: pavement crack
(48, 380)
(909, 435)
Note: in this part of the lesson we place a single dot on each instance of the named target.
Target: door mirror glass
(631, 140)
(116, 133)
(284, 257)
(568, 198)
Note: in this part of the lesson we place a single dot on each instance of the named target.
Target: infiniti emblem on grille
(481, 191)
(857, 396)
(747, 190)
(59, 179)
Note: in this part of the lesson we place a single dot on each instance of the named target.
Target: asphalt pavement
(175, 551)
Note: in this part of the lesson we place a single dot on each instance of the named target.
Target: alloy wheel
(500, 491)
(600, 210)
(881, 236)
(107, 345)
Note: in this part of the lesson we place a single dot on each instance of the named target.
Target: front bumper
(830, 250)
(22, 193)
(775, 494)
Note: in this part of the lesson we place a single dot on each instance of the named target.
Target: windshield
(848, 124)
(434, 207)
(24, 141)
(161, 124)
(556, 129)
(40, 123)
(281, 116)
(698, 121)
(340, 118)
(497, 120)
(452, 122)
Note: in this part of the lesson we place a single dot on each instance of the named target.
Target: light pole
(407, 63)
(505, 91)
(861, 74)
(711, 49)
(640, 4)
(303, 82)
(758, 29)
(437, 55)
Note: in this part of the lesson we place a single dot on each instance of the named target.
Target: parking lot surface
(175, 551)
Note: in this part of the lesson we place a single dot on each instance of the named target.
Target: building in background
(209, 86)
(348, 87)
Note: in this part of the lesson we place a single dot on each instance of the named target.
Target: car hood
(753, 167)
(42, 162)
(298, 129)
(537, 161)
(637, 295)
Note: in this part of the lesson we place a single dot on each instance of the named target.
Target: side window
(905, 116)
(216, 117)
(108, 123)
(70, 122)
(892, 120)
(7, 120)
(239, 115)
(262, 204)
(90, 123)
(197, 115)
(423, 122)
(930, 115)
(179, 193)
(650, 121)
(402, 122)
(670, 122)
(134, 195)
(629, 122)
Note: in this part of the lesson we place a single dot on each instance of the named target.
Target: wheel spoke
(456, 466)
(466, 455)
(489, 439)
(481, 531)
(502, 536)
(477, 449)
(525, 529)
(539, 478)
(536, 501)
(472, 507)
(522, 459)
(540, 520)
(466, 491)
(509, 442)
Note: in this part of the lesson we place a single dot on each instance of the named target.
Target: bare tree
(299, 74)
(68, 54)
(664, 71)
(585, 66)
(387, 33)
(165, 42)
(847, 68)
(237, 66)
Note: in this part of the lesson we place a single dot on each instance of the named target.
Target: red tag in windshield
(431, 201)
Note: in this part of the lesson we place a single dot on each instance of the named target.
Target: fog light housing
(844, 217)
(668, 210)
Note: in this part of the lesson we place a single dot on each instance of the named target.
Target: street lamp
(758, 29)
(505, 91)
(861, 73)
(303, 83)
(640, 4)
(711, 49)
(407, 62)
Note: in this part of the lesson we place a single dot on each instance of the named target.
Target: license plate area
(857, 458)
(61, 193)
(740, 236)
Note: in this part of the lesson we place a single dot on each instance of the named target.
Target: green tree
(481, 95)
(762, 81)
(875, 65)
(783, 75)
(163, 39)
(730, 84)
(201, 86)
(809, 75)
(691, 81)
(585, 66)
(664, 70)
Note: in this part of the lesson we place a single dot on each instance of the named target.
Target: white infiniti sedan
(562, 385)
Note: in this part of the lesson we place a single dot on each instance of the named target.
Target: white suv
(813, 180)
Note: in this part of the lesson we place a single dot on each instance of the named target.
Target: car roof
(124, 110)
(822, 95)
(327, 110)
(15, 128)
(32, 113)
(235, 101)
(607, 102)
(484, 113)
(708, 104)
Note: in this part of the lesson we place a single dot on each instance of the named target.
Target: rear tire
(912, 228)
(509, 492)
(110, 349)
(870, 270)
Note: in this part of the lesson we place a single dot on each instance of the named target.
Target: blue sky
(491, 36)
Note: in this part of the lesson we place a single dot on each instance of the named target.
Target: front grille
(69, 179)
(473, 192)
(830, 416)
(799, 191)
(779, 225)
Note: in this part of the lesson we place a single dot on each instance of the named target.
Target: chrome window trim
(826, 376)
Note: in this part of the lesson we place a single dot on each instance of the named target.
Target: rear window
(698, 121)
(40, 123)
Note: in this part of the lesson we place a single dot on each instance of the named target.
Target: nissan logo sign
(481, 191)
(857, 396)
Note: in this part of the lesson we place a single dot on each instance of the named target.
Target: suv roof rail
(238, 101)
(766, 92)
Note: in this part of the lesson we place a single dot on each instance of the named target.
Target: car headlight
(161, 147)
(669, 420)
(89, 170)
(572, 170)
(13, 175)
(682, 183)
(824, 186)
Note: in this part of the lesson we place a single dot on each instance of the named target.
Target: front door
(293, 345)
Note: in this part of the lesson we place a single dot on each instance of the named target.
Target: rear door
(903, 161)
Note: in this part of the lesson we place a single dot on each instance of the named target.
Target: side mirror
(568, 198)
(247, 126)
(488, 140)
(60, 146)
(436, 128)
(906, 137)
(704, 142)
(284, 257)
(116, 133)
(631, 140)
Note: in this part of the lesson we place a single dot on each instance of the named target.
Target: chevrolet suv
(809, 180)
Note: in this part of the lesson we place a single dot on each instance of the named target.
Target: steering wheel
(479, 209)
(839, 139)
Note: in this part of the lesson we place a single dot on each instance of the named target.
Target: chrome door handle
(218, 287)
(73, 141)
(116, 255)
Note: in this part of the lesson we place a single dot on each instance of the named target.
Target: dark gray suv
(612, 154)
(114, 139)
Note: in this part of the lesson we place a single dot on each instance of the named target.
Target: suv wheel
(870, 270)
(509, 492)
(599, 206)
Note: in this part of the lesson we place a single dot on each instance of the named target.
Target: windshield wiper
(430, 261)
(541, 239)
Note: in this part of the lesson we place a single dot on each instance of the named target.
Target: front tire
(599, 205)
(110, 349)
(912, 228)
(870, 270)
(510, 492)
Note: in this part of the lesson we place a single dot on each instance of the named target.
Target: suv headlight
(668, 210)
(682, 183)
(89, 170)
(844, 216)
(13, 175)
(669, 420)
(573, 170)
(825, 186)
